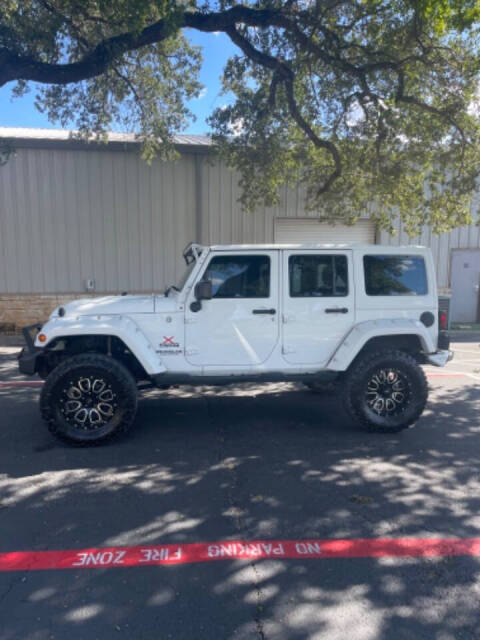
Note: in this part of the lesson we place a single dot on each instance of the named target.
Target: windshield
(181, 282)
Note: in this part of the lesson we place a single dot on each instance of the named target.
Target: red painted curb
(110, 557)
(22, 383)
(445, 375)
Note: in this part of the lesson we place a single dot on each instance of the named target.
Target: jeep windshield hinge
(192, 252)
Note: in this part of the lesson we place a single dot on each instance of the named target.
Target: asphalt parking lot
(268, 462)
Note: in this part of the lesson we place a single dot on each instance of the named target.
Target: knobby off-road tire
(385, 391)
(88, 399)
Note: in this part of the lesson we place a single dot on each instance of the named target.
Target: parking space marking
(111, 557)
(455, 373)
(22, 383)
(451, 374)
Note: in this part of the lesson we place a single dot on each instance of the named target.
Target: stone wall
(21, 310)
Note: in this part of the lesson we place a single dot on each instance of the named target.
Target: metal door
(465, 282)
(319, 304)
(239, 326)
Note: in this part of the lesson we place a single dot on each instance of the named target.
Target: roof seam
(30, 133)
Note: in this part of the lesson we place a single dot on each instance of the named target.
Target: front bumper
(28, 357)
(440, 358)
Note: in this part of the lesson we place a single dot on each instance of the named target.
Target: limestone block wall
(21, 310)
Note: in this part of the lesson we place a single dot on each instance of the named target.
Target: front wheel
(386, 391)
(88, 398)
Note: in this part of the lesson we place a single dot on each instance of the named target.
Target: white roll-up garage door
(304, 231)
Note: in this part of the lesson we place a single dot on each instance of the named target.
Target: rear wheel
(89, 398)
(386, 391)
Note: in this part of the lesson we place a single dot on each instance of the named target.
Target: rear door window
(318, 276)
(395, 275)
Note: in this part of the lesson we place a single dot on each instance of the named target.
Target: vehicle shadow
(243, 462)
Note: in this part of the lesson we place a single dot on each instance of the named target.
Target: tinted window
(395, 275)
(318, 276)
(239, 276)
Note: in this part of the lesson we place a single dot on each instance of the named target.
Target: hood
(109, 305)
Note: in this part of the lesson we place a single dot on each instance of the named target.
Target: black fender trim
(28, 357)
(28, 361)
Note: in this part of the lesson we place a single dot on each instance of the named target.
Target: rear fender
(362, 332)
(123, 327)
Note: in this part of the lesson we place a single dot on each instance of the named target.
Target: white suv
(364, 316)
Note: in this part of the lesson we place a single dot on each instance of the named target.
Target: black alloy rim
(388, 392)
(88, 402)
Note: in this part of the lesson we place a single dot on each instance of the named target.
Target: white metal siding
(465, 237)
(68, 215)
(71, 214)
(305, 231)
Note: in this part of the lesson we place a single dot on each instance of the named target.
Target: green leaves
(371, 105)
(444, 15)
(395, 98)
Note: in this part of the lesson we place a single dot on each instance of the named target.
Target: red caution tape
(110, 557)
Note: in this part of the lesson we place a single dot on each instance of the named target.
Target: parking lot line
(457, 373)
(111, 557)
(21, 383)
(450, 374)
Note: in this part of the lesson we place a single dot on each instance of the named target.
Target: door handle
(337, 310)
(271, 312)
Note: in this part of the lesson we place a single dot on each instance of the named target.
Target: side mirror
(203, 290)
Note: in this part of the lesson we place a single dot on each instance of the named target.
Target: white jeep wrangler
(363, 316)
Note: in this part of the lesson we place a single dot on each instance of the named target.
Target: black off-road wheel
(88, 399)
(386, 391)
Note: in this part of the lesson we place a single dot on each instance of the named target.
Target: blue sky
(21, 112)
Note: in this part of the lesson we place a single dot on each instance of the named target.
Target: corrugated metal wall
(70, 215)
(222, 218)
(466, 237)
(67, 215)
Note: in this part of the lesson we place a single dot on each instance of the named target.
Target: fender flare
(122, 327)
(362, 332)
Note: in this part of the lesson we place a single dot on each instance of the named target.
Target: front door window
(239, 276)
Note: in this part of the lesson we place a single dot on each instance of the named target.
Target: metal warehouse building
(79, 219)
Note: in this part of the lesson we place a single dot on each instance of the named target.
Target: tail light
(443, 320)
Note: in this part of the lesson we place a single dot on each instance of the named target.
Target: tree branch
(54, 11)
(443, 114)
(283, 71)
(94, 63)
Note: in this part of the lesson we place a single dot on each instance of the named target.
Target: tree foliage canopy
(372, 105)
